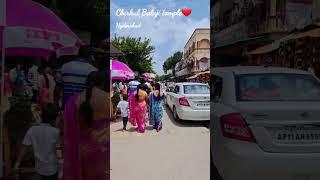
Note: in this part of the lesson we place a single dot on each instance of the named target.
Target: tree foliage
(137, 52)
(164, 77)
(172, 61)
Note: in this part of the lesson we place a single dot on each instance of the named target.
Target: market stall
(202, 77)
(299, 49)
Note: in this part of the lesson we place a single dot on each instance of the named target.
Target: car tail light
(234, 126)
(184, 101)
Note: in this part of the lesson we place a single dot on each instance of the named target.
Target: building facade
(240, 26)
(196, 53)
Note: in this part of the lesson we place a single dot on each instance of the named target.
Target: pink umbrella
(120, 71)
(29, 29)
(149, 76)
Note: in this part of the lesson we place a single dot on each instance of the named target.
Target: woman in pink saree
(86, 132)
(138, 108)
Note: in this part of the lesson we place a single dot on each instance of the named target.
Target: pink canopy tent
(149, 76)
(120, 71)
(30, 29)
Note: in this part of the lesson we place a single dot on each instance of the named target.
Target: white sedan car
(265, 124)
(189, 101)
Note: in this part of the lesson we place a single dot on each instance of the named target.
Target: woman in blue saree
(156, 107)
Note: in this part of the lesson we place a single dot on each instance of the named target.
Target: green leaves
(137, 52)
(172, 61)
(164, 77)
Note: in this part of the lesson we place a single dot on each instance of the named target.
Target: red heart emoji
(186, 11)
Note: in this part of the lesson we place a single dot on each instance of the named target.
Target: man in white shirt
(43, 139)
(123, 105)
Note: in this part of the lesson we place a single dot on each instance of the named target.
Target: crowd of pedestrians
(79, 94)
(139, 102)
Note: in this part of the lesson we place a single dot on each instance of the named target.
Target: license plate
(203, 104)
(295, 135)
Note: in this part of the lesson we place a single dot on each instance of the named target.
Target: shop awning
(198, 74)
(265, 49)
(205, 72)
(192, 77)
(272, 46)
(314, 32)
(310, 33)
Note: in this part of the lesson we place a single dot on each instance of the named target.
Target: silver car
(189, 101)
(265, 124)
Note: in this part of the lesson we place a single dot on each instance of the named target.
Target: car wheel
(175, 114)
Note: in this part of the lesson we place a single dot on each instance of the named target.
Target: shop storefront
(202, 77)
(299, 50)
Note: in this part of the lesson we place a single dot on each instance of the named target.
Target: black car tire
(175, 114)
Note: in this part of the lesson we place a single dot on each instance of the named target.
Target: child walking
(42, 139)
(123, 105)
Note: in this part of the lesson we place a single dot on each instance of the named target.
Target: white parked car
(265, 124)
(189, 101)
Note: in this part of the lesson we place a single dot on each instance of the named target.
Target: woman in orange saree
(138, 108)
(86, 132)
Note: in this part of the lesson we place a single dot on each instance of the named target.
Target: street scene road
(179, 151)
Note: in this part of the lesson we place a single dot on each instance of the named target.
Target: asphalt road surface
(179, 151)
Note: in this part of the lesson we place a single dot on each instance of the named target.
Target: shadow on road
(182, 123)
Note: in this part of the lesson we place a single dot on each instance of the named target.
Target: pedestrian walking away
(138, 108)
(123, 105)
(156, 107)
(47, 85)
(86, 133)
(124, 88)
(33, 78)
(43, 139)
(75, 73)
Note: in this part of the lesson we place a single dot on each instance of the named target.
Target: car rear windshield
(277, 87)
(196, 89)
